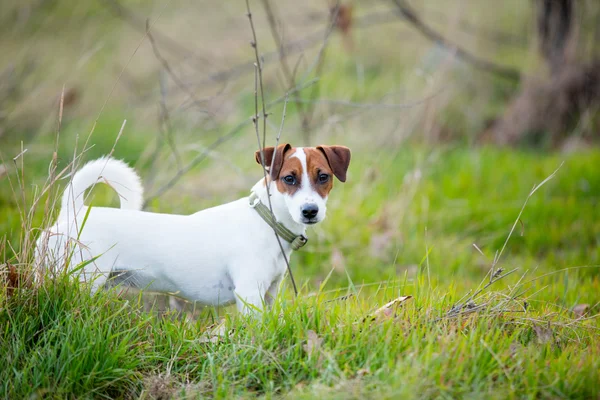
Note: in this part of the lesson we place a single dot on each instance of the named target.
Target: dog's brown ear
(277, 163)
(338, 158)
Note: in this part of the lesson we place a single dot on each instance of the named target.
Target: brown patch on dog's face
(319, 171)
(290, 175)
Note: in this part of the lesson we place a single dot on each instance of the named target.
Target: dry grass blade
(388, 310)
(535, 188)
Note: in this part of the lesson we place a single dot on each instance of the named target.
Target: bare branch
(139, 24)
(167, 67)
(165, 125)
(464, 24)
(165, 130)
(411, 16)
(197, 160)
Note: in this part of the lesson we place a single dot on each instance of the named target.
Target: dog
(218, 256)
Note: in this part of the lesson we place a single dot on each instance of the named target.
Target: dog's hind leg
(118, 277)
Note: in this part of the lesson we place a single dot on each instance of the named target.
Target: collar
(296, 241)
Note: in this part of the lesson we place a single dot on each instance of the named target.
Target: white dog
(216, 256)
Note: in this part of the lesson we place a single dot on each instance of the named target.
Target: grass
(64, 342)
(401, 232)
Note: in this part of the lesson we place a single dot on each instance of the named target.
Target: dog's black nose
(310, 210)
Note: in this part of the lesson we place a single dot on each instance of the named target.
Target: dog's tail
(115, 173)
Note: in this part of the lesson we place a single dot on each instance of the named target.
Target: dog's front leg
(272, 291)
(250, 293)
(249, 299)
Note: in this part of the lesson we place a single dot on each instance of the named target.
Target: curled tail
(120, 176)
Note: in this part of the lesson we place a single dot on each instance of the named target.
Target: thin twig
(287, 73)
(162, 120)
(354, 104)
(165, 125)
(258, 83)
(195, 161)
(167, 68)
(137, 22)
(320, 60)
(463, 24)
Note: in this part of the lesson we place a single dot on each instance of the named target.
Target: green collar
(296, 241)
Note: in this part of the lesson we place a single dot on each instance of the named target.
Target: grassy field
(425, 217)
(411, 233)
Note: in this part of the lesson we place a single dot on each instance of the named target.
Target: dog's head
(304, 177)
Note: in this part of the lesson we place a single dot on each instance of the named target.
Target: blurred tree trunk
(554, 26)
(550, 109)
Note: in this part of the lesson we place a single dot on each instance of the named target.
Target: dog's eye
(289, 179)
(323, 178)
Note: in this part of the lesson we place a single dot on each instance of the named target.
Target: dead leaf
(362, 372)
(344, 18)
(13, 279)
(313, 343)
(580, 310)
(215, 333)
(388, 310)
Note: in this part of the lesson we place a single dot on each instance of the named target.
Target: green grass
(390, 232)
